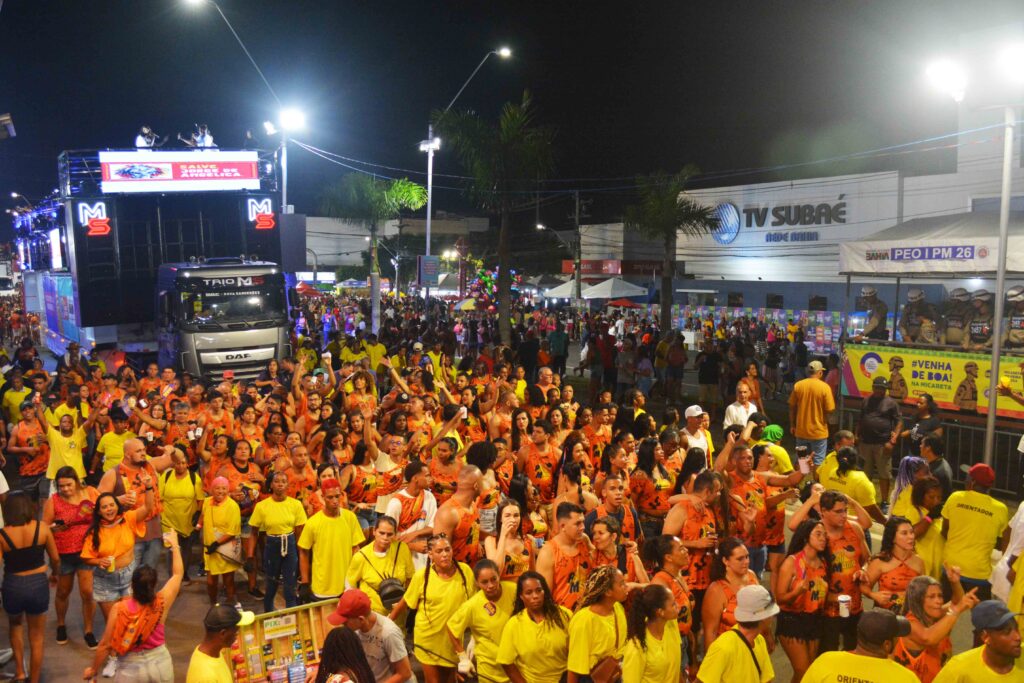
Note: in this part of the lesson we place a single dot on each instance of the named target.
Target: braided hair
(598, 584)
(431, 542)
(553, 615)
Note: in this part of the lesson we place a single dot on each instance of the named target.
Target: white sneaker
(6, 655)
(111, 668)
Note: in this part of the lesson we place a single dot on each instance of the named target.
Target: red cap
(352, 603)
(229, 374)
(330, 485)
(981, 473)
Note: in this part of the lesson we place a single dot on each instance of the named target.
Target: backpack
(131, 630)
(390, 590)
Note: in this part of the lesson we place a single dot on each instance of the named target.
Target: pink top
(155, 639)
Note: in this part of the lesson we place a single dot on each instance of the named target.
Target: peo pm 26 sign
(200, 170)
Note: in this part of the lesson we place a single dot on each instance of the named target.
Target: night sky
(631, 87)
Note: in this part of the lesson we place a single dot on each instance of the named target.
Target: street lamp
(952, 78)
(289, 119)
(433, 143)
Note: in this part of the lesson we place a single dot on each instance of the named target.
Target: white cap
(915, 294)
(418, 346)
(868, 290)
(754, 603)
(694, 411)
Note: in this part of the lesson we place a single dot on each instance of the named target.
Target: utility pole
(374, 280)
(578, 265)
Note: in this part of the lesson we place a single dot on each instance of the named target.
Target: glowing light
(949, 77)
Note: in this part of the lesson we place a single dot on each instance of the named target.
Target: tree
(369, 200)
(504, 159)
(662, 213)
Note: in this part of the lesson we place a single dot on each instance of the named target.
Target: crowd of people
(435, 482)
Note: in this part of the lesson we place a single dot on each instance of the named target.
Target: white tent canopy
(613, 288)
(957, 245)
(566, 290)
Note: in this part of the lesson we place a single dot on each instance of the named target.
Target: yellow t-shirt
(928, 547)
(485, 621)
(434, 608)
(829, 465)
(783, 463)
(181, 498)
(974, 523)
(336, 539)
(65, 451)
(658, 662)
(350, 356)
(367, 569)
(593, 637)
(220, 521)
(831, 666)
(277, 518)
(12, 403)
(539, 651)
(111, 447)
(969, 667)
(728, 659)
(376, 353)
(813, 400)
(855, 484)
(54, 416)
(203, 668)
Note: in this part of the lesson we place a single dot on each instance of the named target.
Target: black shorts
(798, 625)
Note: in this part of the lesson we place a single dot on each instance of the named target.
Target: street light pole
(432, 144)
(284, 171)
(1009, 126)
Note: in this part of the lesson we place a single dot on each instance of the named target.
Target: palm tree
(662, 213)
(369, 200)
(503, 159)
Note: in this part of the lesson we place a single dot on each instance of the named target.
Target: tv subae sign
(732, 220)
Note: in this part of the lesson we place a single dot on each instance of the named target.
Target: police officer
(897, 385)
(1013, 332)
(877, 312)
(979, 328)
(966, 397)
(913, 310)
(957, 313)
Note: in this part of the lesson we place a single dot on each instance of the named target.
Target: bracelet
(951, 612)
(927, 518)
(149, 488)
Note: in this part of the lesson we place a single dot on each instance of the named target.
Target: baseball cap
(755, 603)
(980, 472)
(229, 374)
(815, 366)
(352, 603)
(879, 625)
(991, 614)
(225, 616)
(880, 383)
(694, 411)
(418, 346)
(773, 433)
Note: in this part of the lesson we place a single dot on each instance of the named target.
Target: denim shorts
(29, 594)
(153, 665)
(73, 562)
(112, 586)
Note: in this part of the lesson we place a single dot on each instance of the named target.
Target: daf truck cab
(221, 314)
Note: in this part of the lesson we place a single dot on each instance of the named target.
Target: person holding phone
(69, 512)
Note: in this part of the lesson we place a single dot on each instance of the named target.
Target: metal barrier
(965, 445)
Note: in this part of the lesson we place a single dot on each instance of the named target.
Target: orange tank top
(812, 599)
(848, 557)
(466, 535)
(896, 581)
(363, 486)
(412, 511)
(516, 564)
(926, 663)
(699, 524)
(728, 618)
(570, 574)
(445, 481)
(682, 596)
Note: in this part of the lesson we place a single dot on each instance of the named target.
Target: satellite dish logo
(728, 217)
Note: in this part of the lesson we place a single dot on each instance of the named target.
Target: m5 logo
(94, 218)
(261, 212)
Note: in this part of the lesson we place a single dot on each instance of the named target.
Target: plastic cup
(805, 465)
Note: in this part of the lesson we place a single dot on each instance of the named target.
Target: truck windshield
(247, 298)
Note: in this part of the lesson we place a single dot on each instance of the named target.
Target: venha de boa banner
(956, 380)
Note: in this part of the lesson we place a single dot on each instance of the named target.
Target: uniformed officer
(966, 397)
(897, 385)
(877, 312)
(979, 328)
(957, 313)
(913, 311)
(1013, 332)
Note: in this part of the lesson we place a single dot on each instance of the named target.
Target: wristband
(149, 488)
(927, 518)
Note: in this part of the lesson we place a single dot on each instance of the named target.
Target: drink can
(113, 564)
(844, 605)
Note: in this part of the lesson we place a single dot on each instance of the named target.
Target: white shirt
(1000, 584)
(4, 488)
(736, 414)
(383, 644)
(204, 140)
(697, 440)
(427, 514)
(142, 141)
